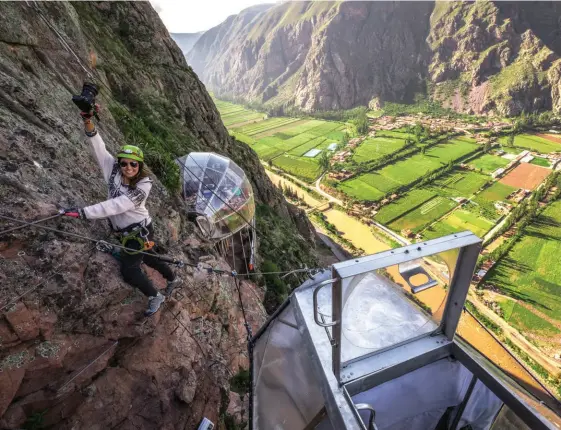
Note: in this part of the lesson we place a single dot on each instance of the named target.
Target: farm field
(417, 219)
(488, 163)
(460, 220)
(411, 211)
(540, 162)
(485, 200)
(373, 185)
(525, 175)
(305, 168)
(376, 147)
(459, 183)
(406, 203)
(530, 273)
(533, 142)
(291, 144)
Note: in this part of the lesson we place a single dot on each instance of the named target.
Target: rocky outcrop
(488, 58)
(475, 57)
(75, 351)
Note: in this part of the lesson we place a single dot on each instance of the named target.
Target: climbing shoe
(154, 304)
(172, 285)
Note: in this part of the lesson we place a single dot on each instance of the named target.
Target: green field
(420, 207)
(486, 199)
(373, 185)
(459, 183)
(540, 162)
(406, 203)
(417, 219)
(302, 167)
(531, 272)
(376, 147)
(460, 220)
(282, 140)
(533, 143)
(496, 192)
(522, 319)
(489, 163)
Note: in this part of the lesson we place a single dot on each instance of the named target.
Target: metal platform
(351, 349)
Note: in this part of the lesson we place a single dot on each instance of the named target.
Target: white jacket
(126, 205)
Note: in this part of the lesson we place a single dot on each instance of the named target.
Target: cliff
(475, 57)
(75, 351)
(501, 57)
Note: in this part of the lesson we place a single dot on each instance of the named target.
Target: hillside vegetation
(473, 57)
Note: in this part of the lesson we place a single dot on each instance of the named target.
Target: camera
(86, 100)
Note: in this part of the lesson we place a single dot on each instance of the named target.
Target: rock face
(495, 57)
(477, 57)
(75, 351)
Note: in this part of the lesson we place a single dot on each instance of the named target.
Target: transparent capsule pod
(217, 192)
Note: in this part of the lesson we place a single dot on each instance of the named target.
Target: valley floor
(395, 192)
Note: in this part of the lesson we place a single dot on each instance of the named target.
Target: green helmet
(132, 152)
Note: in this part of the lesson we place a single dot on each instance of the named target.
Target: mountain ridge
(484, 57)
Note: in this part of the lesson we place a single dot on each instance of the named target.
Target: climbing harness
(138, 233)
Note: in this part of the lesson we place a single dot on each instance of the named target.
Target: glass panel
(286, 395)
(511, 373)
(428, 396)
(380, 309)
(216, 188)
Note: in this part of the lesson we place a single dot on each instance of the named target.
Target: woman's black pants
(134, 275)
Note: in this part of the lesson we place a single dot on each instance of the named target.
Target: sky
(191, 16)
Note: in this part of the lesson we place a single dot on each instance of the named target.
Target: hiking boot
(154, 304)
(172, 285)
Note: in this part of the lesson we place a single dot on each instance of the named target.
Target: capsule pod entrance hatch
(354, 348)
(217, 192)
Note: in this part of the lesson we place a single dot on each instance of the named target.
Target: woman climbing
(129, 185)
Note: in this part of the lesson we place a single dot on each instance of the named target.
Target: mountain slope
(75, 351)
(495, 57)
(320, 55)
(476, 57)
(185, 41)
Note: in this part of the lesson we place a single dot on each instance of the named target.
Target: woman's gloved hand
(92, 113)
(75, 213)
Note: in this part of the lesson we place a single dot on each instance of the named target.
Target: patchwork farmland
(428, 186)
(378, 183)
(529, 279)
(544, 144)
(290, 144)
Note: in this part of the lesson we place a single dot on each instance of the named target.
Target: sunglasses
(133, 164)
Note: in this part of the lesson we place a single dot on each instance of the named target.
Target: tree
(510, 140)
(487, 147)
(345, 138)
(324, 161)
(361, 123)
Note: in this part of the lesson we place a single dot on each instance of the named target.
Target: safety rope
(31, 223)
(243, 251)
(103, 243)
